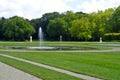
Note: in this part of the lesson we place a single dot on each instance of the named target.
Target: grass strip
(40, 72)
(103, 65)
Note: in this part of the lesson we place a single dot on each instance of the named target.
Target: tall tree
(2, 20)
(81, 29)
(17, 28)
(80, 15)
(100, 23)
(69, 17)
(56, 28)
(115, 20)
(99, 28)
(45, 19)
(107, 19)
(36, 23)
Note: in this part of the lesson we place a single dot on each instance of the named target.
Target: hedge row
(112, 36)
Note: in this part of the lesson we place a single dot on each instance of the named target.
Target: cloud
(89, 6)
(35, 8)
(31, 8)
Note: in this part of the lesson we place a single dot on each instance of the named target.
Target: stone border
(114, 49)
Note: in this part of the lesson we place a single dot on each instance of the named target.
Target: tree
(56, 28)
(43, 22)
(80, 15)
(107, 17)
(69, 17)
(16, 28)
(45, 19)
(2, 20)
(36, 24)
(115, 20)
(81, 29)
(100, 23)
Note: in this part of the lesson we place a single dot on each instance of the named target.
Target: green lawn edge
(40, 72)
(106, 65)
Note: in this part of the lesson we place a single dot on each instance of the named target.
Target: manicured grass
(103, 65)
(40, 72)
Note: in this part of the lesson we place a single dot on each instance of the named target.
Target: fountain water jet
(40, 36)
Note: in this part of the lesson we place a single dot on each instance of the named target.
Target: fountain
(41, 47)
(41, 44)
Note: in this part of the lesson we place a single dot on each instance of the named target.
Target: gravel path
(9, 73)
(54, 68)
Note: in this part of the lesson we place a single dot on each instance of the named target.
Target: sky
(32, 9)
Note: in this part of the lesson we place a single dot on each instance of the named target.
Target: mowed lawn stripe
(45, 74)
(104, 65)
(56, 69)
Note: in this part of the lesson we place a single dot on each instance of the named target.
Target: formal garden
(92, 58)
(69, 43)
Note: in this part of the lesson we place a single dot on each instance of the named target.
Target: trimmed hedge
(111, 36)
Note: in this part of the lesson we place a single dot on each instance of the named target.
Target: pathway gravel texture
(9, 73)
(86, 77)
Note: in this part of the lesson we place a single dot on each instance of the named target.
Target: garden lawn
(40, 72)
(102, 65)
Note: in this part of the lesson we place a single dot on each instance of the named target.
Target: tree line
(77, 26)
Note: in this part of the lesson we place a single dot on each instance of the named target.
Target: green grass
(40, 72)
(103, 65)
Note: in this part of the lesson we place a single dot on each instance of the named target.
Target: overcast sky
(35, 8)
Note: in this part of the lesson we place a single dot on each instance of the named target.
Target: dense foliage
(72, 26)
(16, 28)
